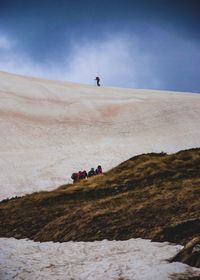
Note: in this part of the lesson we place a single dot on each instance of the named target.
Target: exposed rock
(190, 254)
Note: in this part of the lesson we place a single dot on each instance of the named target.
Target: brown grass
(138, 198)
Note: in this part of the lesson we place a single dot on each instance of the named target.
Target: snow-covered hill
(50, 129)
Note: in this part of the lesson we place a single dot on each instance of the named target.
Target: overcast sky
(151, 44)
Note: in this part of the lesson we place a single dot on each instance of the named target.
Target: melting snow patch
(132, 259)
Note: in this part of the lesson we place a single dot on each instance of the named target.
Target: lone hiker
(98, 81)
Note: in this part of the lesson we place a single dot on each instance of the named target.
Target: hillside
(50, 129)
(138, 198)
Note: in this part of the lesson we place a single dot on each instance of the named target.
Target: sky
(152, 44)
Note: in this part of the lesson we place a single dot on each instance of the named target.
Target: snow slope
(114, 260)
(50, 129)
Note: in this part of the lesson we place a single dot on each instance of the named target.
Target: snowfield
(120, 260)
(50, 129)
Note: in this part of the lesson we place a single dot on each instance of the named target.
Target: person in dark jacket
(98, 81)
(74, 177)
(91, 172)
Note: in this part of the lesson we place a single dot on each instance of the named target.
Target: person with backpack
(80, 175)
(99, 170)
(91, 172)
(74, 177)
(85, 175)
(98, 81)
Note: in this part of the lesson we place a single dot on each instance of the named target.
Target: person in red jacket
(98, 81)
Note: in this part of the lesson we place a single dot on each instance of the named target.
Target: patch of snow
(136, 259)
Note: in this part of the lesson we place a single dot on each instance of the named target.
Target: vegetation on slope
(139, 198)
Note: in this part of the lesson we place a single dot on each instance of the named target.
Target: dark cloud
(166, 33)
(182, 13)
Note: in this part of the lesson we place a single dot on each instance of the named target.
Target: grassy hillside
(139, 198)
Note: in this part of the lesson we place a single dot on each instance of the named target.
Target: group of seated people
(84, 174)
